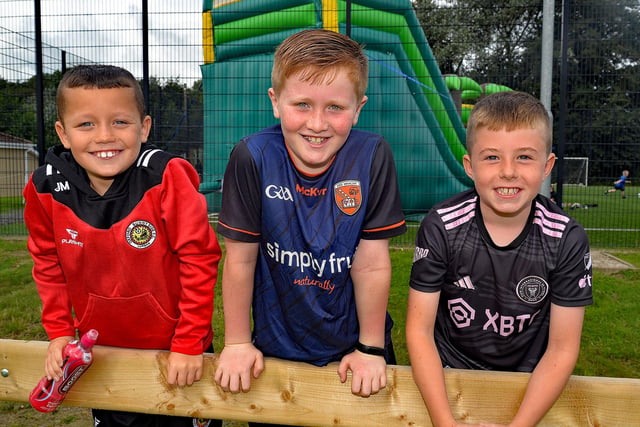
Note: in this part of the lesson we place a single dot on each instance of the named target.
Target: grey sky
(106, 32)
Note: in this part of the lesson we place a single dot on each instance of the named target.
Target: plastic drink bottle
(77, 357)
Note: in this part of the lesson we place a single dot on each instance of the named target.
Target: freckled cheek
(291, 121)
(343, 127)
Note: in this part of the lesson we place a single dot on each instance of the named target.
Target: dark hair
(98, 77)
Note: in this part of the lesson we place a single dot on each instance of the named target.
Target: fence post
(301, 394)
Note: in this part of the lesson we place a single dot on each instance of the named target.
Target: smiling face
(316, 117)
(104, 131)
(508, 168)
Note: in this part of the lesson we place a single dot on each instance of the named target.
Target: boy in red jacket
(120, 236)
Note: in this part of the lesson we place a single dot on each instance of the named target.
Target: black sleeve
(571, 280)
(241, 199)
(430, 257)
(384, 218)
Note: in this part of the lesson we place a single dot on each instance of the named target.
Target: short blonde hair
(318, 55)
(509, 110)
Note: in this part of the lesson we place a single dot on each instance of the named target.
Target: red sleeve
(57, 318)
(184, 211)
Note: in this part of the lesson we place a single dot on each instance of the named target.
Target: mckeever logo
(73, 236)
(311, 191)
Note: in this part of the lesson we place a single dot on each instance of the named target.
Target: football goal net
(576, 171)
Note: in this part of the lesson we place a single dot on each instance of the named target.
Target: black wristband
(367, 349)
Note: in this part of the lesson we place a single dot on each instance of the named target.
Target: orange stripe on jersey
(388, 227)
(238, 229)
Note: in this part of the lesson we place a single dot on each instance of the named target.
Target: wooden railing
(300, 394)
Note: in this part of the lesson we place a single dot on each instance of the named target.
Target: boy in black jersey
(120, 237)
(501, 274)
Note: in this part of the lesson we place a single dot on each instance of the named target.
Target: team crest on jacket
(532, 289)
(141, 234)
(348, 196)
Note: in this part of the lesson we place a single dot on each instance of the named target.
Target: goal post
(576, 171)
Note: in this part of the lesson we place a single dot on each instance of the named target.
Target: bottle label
(48, 394)
(71, 375)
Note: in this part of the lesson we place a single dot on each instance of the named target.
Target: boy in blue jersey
(308, 206)
(501, 274)
(619, 184)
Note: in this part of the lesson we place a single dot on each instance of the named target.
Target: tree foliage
(482, 39)
(603, 75)
(500, 42)
(176, 111)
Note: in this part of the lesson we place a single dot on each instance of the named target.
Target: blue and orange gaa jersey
(138, 264)
(308, 229)
(495, 301)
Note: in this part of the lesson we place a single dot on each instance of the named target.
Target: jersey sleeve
(571, 280)
(240, 213)
(430, 257)
(384, 218)
(191, 237)
(57, 317)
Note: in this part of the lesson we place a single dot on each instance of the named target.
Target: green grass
(630, 256)
(11, 223)
(610, 333)
(19, 302)
(613, 223)
(10, 204)
(609, 224)
(611, 323)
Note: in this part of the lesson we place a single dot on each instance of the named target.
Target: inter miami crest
(348, 196)
(532, 289)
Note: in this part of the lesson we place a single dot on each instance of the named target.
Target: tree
(603, 75)
(177, 116)
(500, 43)
(485, 40)
(18, 110)
(176, 111)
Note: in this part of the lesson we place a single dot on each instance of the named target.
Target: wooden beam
(301, 394)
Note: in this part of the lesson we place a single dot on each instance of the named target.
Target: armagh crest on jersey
(348, 196)
(308, 228)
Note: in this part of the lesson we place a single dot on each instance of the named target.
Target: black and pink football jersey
(495, 301)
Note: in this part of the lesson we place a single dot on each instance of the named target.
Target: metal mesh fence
(595, 97)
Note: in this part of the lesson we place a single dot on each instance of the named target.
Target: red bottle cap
(89, 339)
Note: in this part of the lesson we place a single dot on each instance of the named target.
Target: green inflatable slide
(409, 102)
